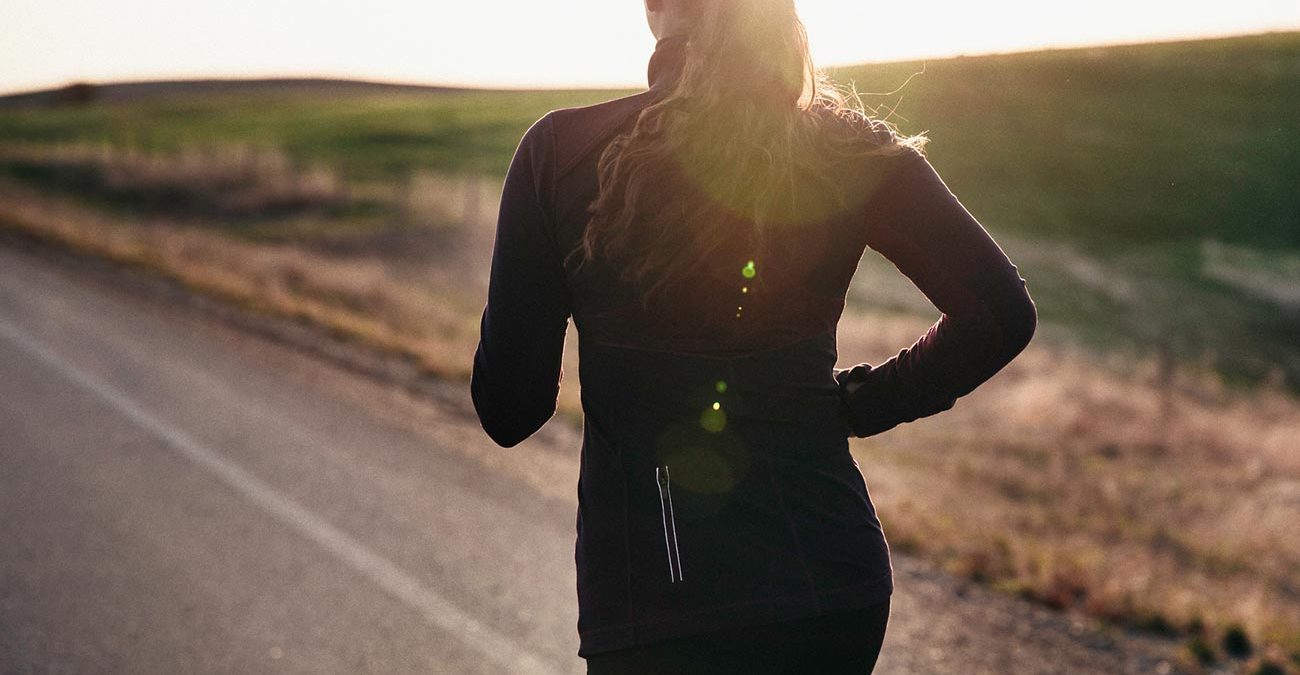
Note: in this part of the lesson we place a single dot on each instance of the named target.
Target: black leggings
(842, 642)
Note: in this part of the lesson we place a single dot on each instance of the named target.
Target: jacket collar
(667, 61)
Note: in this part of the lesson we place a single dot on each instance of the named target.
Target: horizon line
(470, 86)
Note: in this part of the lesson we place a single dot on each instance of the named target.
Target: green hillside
(1133, 143)
(1150, 193)
(1120, 144)
(366, 135)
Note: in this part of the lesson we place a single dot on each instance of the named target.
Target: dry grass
(237, 180)
(436, 198)
(1140, 491)
(361, 298)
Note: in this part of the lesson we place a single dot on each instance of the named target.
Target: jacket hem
(611, 638)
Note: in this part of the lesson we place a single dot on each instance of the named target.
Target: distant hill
(1118, 145)
(1149, 191)
(163, 89)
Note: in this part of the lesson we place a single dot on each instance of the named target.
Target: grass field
(367, 136)
(1109, 146)
(1139, 460)
(1112, 175)
(1137, 161)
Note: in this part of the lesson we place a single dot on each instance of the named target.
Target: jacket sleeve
(517, 365)
(987, 318)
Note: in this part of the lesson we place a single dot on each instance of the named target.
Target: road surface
(178, 495)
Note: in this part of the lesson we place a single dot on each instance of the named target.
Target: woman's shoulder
(576, 132)
(865, 131)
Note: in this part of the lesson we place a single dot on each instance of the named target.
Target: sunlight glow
(524, 43)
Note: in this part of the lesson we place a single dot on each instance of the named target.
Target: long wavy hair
(750, 136)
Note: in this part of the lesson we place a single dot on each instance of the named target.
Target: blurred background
(339, 166)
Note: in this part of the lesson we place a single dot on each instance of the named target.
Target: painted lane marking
(436, 609)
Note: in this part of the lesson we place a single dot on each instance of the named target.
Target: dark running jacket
(716, 486)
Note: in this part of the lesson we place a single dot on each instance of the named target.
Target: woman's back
(716, 488)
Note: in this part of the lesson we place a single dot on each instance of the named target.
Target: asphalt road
(179, 496)
(176, 499)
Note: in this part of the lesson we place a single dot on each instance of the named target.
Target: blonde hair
(749, 137)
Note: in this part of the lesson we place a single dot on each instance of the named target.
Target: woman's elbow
(510, 427)
(1021, 322)
(504, 435)
(508, 422)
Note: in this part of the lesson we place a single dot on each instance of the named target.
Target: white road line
(437, 610)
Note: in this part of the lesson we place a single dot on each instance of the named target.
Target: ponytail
(749, 137)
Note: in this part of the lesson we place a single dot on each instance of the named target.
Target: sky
(538, 43)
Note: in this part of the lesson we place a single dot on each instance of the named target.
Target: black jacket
(716, 485)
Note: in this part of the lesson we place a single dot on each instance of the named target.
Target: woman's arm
(988, 316)
(517, 367)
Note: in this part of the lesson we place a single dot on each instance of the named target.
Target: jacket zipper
(670, 527)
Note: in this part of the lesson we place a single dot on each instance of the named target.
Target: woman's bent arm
(988, 316)
(517, 366)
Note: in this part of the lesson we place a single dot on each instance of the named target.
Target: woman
(702, 235)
